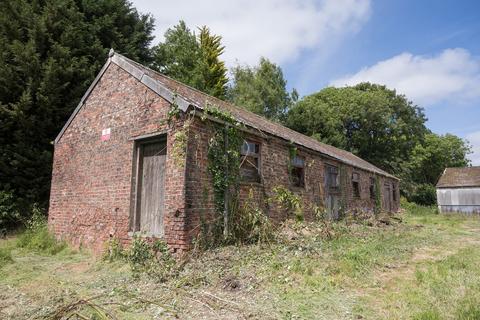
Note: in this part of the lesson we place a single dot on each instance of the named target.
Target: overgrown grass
(424, 267)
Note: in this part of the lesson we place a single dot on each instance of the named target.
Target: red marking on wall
(105, 134)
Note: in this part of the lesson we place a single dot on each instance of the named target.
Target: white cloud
(474, 139)
(452, 75)
(276, 29)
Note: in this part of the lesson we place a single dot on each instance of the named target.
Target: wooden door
(387, 197)
(151, 188)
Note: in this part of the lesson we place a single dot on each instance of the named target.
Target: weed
(38, 238)
(288, 201)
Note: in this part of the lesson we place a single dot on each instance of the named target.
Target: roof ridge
(313, 140)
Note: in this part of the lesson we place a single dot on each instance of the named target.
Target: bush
(424, 194)
(37, 236)
(9, 213)
(152, 258)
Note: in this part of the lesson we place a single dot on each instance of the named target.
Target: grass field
(425, 267)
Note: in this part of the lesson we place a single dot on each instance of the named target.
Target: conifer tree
(50, 53)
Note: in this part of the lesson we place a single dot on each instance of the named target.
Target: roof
(185, 97)
(460, 178)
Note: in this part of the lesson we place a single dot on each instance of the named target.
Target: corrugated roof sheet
(255, 121)
(460, 178)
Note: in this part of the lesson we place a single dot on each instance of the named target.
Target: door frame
(135, 208)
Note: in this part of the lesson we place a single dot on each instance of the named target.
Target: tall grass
(38, 238)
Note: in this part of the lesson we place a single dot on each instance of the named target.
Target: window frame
(293, 166)
(256, 155)
(372, 188)
(335, 188)
(356, 185)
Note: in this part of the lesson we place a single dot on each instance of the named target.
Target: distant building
(458, 190)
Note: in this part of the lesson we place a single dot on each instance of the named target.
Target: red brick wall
(91, 192)
(91, 195)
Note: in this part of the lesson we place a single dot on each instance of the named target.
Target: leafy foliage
(384, 128)
(262, 90)
(288, 201)
(193, 60)
(369, 120)
(51, 52)
(38, 238)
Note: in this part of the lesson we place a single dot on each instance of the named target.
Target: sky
(428, 50)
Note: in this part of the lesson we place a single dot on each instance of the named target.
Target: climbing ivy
(224, 163)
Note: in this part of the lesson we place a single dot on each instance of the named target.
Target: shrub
(152, 258)
(9, 213)
(288, 201)
(424, 194)
(37, 236)
(250, 224)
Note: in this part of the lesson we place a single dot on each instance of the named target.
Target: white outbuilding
(458, 190)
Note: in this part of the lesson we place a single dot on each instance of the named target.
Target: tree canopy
(384, 128)
(193, 60)
(51, 52)
(369, 120)
(261, 89)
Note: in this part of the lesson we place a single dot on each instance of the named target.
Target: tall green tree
(369, 120)
(51, 52)
(262, 90)
(193, 60)
(213, 72)
(427, 162)
(179, 55)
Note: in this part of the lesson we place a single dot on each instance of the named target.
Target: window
(372, 188)
(332, 177)
(356, 184)
(297, 171)
(250, 161)
(394, 190)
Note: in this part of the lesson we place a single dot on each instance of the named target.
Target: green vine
(224, 164)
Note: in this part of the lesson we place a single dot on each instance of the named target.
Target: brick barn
(116, 173)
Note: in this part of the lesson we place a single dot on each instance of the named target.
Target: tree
(193, 60)
(51, 52)
(369, 120)
(427, 162)
(262, 90)
(213, 72)
(179, 55)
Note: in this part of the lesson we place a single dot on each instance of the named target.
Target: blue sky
(428, 50)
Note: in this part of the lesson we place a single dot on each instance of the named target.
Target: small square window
(297, 171)
(250, 162)
(356, 184)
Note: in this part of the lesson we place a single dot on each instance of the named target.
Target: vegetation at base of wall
(407, 269)
(288, 201)
(150, 257)
(38, 238)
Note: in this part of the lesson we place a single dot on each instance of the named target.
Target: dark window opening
(297, 171)
(372, 188)
(356, 184)
(394, 190)
(250, 162)
(332, 178)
